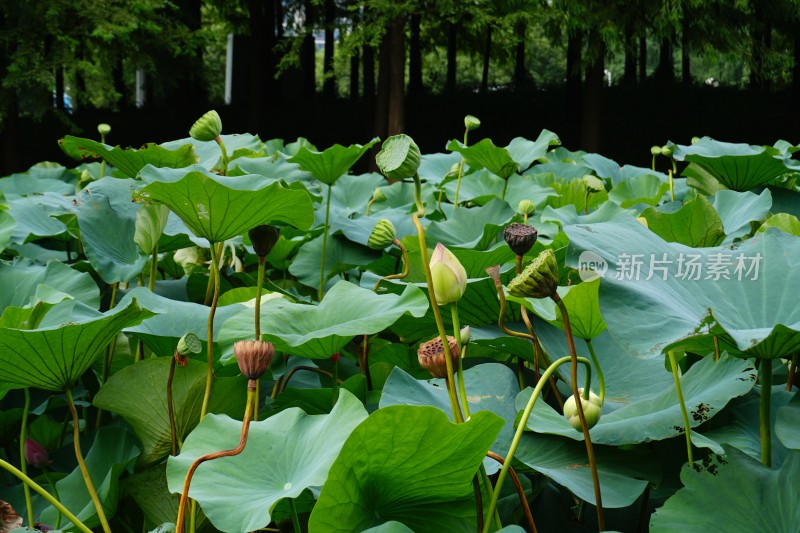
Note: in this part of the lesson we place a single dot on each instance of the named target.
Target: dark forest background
(609, 77)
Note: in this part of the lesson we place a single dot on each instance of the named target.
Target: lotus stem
(687, 427)
(306, 368)
(462, 389)
(248, 415)
(764, 412)
(406, 266)
(295, 518)
(476, 488)
(171, 408)
(262, 267)
(579, 407)
(210, 333)
(460, 171)
(55, 494)
(526, 509)
(23, 462)
(487, 483)
(44, 494)
(601, 381)
(224, 153)
(76, 437)
(792, 372)
(151, 283)
(321, 291)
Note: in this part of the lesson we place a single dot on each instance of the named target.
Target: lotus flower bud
(526, 207)
(431, 356)
(448, 276)
(593, 183)
(471, 123)
(655, 150)
(254, 357)
(465, 335)
(383, 234)
(378, 195)
(667, 151)
(592, 409)
(35, 454)
(207, 127)
(264, 238)
(695, 140)
(520, 237)
(539, 279)
(103, 129)
(399, 157)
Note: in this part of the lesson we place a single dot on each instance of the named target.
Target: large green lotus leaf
(476, 228)
(433, 168)
(34, 216)
(485, 154)
(695, 224)
(25, 184)
(784, 222)
(751, 312)
(284, 455)
(787, 424)
(479, 187)
(319, 331)
(568, 214)
(114, 451)
(7, 225)
(570, 192)
(218, 208)
(128, 160)
(332, 163)
(107, 230)
(490, 387)
(358, 228)
(756, 498)
(643, 189)
(148, 489)
(738, 209)
(562, 169)
(350, 195)
(623, 474)
(736, 166)
(272, 167)
(55, 357)
(208, 152)
(138, 394)
(525, 152)
(161, 333)
(400, 195)
(418, 471)
(340, 256)
(707, 387)
(22, 280)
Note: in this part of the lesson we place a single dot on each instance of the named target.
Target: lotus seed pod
(35, 454)
(592, 409)
(520, 237)
(383, 234)
(431, 356)
(593, 183)
(448, 276)
(464, 335)
(378, 195)
(667, 151)
(264, 238)
(254, 357)
(695, 140)
(399, 157)
(471, 123)
(189, 344)
(103, 129)
(538, 280)
(655, 150)
(526, 207)
(207, 127)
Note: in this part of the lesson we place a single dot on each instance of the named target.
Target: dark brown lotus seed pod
(264, 238)
(520, 237)
(431, 356)
(254, 357)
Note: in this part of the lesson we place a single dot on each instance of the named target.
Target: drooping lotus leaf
(784, 222)
(433, 168)
(643, 189)
(737, 166)
(271, 167)
(756, 498)
(695, 224)
(208, 152)
(284, 455)
(490, 387)
(688, 299)
(485, 154)
(738, 209)
(476, 227)
(332, 163)
(22, 280)
(525, 152)
(568, 214)
(418, 471)
(55, 357)
(319, 331)
(35, 216)
(350, 196)
(29, 183)
(569, 192)
(129, 161)
(113, 451)
(218, 208)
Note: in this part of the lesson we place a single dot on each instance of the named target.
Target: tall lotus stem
(470, 123)
(764, 412)
(406, 266)
(526, 509)
(687, 427)
(76, 437)
(523, 422)
(462, 390)
(321, 291)
(22, 459)
(210, 333)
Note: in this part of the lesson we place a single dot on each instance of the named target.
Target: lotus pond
(221, 333)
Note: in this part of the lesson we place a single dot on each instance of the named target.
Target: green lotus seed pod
(592, 409)
(383, 234)
(667, 150)
(103, 129)
(189, 344)
(399, 157)
(207, 127)
(539, 279)
(593, 183)
(695, 140)
(378, 195)
(448, 276)
(655, 150)
(526, 207)
(471, 123)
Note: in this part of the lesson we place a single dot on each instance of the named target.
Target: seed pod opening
(431, 356)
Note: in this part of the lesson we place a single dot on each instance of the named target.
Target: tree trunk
(487, 53)
(380, 124)
(279, 16)
(118, 78)
(397, 67)
(452, 48)
(643, 58)
(796, 67)
(686, 66)
(355, 62)
(592, 115)
(629, 76)
(329, 85)
(59, 74)
(256, 59)
(573, 84)
(665, 72)
(415, 86)
(520, 73)
(308, 52)
(368, 59)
